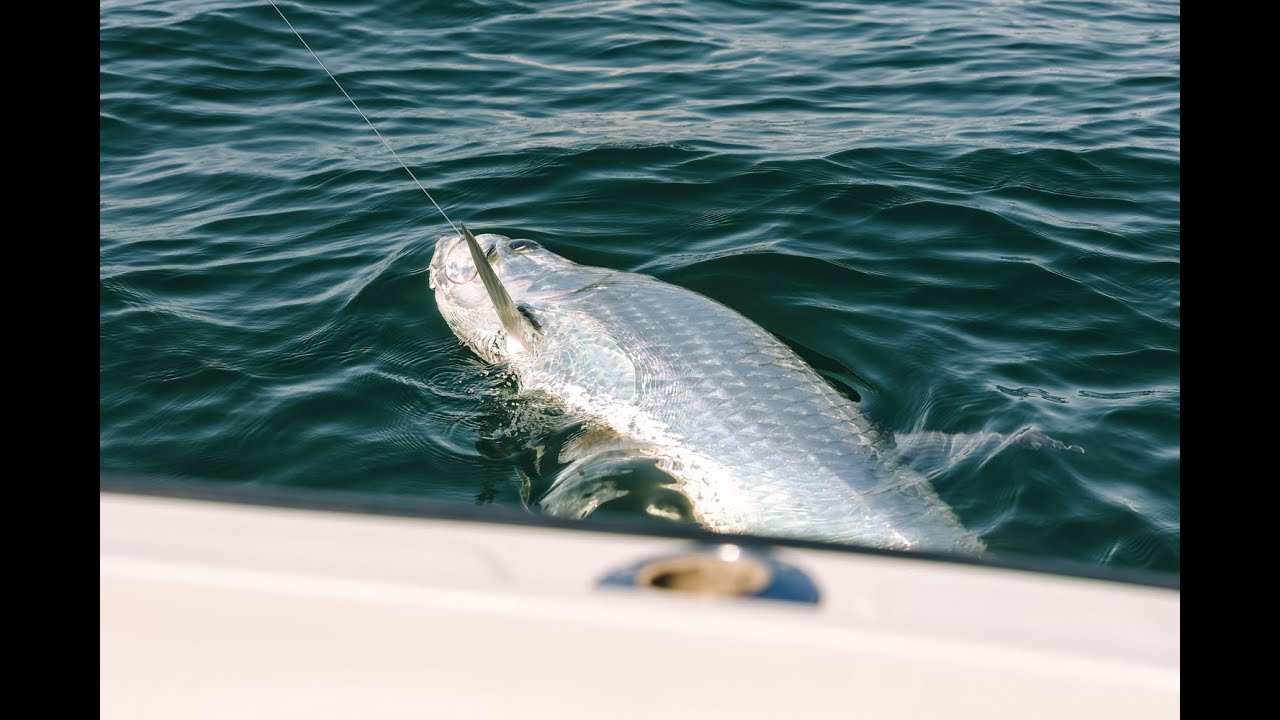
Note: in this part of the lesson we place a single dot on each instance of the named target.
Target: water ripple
(969, 212)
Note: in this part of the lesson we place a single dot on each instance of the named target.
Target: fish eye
(523, 245)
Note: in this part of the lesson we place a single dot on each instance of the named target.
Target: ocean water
(969, 210)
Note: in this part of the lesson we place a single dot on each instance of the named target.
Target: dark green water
(972, 208)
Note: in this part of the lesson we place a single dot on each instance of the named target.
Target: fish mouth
(452, 259)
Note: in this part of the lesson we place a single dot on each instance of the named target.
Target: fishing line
(366, 117)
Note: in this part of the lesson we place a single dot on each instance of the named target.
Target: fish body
(756, 439)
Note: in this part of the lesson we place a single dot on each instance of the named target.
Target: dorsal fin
(517, 325)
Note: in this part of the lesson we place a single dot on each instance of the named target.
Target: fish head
(526, 271)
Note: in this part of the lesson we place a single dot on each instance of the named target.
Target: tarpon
(751, 435)
(756, 439)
